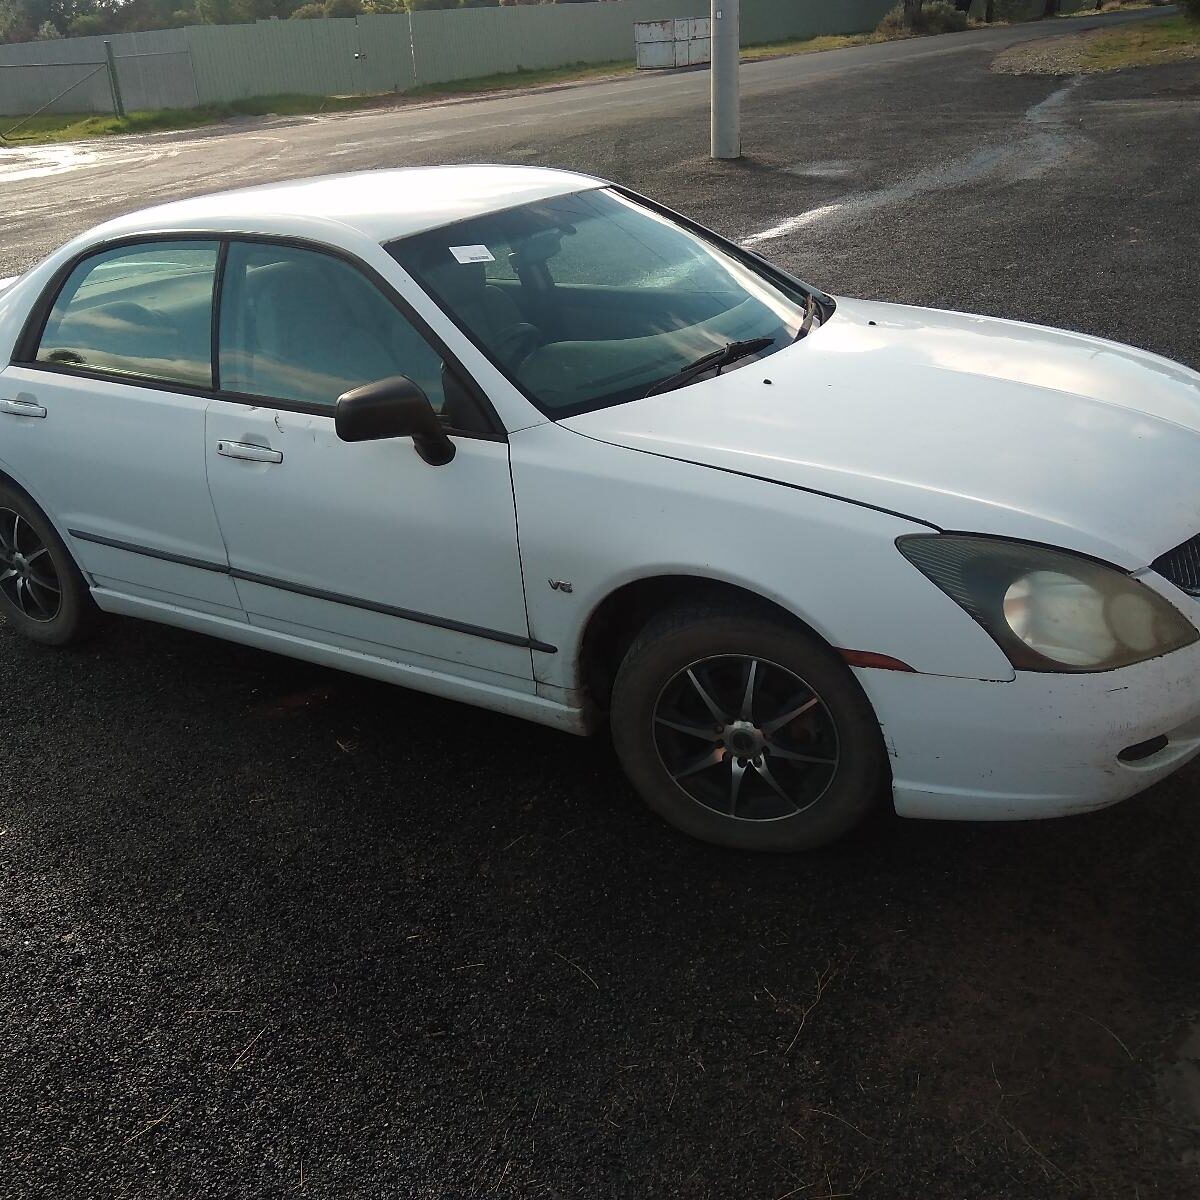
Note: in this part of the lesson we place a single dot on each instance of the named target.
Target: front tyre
(744, 731)
(42, 593)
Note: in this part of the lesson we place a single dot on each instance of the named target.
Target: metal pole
(113, 82)
(725, 31)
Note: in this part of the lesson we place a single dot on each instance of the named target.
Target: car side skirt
(540, 709)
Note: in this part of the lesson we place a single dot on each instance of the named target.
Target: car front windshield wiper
(810, 315)
(715, 360)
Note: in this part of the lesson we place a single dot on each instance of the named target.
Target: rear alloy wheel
(42, 593)
(28, 578)
(745, 731)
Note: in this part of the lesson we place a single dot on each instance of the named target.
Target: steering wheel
(516, 343)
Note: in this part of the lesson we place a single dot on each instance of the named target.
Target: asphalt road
(54, 192)
(266, 930)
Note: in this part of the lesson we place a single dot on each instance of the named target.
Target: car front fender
(593, 517)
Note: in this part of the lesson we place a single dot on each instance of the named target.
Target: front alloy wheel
(746, 738)
(742, 729)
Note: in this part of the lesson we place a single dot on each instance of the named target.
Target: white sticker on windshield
(472, 254)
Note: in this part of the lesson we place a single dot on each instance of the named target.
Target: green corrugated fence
(201, 64)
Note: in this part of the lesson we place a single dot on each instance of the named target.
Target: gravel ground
(267, 930)
(1074, 56)
(1055, 56)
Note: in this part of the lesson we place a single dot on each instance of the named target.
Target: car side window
(302, 326)
(142, 311)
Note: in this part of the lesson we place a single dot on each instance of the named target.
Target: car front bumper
(1039, 746)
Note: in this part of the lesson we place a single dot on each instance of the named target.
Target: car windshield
(592, 299)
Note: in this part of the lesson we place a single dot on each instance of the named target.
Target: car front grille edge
(1182, 566)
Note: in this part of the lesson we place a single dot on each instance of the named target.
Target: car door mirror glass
(393, 408)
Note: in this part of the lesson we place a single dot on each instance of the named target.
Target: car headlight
(1050, 610)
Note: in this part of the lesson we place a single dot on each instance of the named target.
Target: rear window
(142, 311)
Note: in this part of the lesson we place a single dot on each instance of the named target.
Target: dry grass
(1145, 44)
(808, 46)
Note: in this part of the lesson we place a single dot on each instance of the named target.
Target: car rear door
(102, 419)
(360, 545)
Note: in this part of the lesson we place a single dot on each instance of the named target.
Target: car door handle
(22, 408)
(249, 452)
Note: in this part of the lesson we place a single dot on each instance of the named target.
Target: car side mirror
(393, 408)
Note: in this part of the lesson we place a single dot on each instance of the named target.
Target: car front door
(102, 419)
(360, 545)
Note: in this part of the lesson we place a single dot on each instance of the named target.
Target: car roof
(382, 205)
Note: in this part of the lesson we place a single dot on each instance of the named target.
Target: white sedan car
(524, 439)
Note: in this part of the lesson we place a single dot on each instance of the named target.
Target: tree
(214, 12)
(343, 8)
(27, 20)
(309, 12)
(248, 11)
(14, 24)
(139, 14)
(88, 25)
(912, 13)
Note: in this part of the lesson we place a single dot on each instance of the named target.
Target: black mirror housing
(393, 408)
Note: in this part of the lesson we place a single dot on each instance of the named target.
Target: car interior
(569, 324)
(307, 327)
(296, 325)
(533, 307)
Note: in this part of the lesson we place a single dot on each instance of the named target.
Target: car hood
(961, 422)
(5, 284)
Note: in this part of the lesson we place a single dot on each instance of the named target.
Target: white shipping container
(682, 42)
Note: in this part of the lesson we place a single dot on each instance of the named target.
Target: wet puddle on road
(18, 163)
(35, 162)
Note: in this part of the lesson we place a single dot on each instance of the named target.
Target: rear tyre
(744, 731)
(42, 593)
